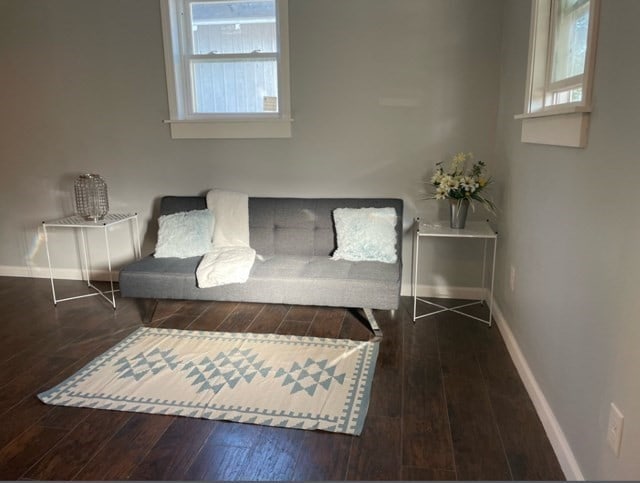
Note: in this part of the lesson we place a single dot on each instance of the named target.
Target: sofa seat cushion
(291, 266)
(288, 279)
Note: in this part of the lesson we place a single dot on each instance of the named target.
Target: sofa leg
(377, 331)
(149, 311)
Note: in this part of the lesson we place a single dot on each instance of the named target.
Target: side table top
(77, 221)
(473, 229)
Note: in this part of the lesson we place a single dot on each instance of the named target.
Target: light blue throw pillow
(366, 234)
(185, 234)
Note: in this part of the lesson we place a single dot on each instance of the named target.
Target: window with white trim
(560, 76)
(227, 68)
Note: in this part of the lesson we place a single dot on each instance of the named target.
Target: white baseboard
(552, 427)
(58, 273)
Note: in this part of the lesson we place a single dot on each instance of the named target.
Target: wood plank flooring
(446, 400)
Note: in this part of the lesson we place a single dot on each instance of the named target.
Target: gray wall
(83, 89)
(571, 229)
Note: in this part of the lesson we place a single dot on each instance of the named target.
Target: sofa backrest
(292, 226)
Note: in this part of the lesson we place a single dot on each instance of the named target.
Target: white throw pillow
(366, 234)
(185, 234)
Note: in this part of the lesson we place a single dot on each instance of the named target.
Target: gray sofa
(293, 238)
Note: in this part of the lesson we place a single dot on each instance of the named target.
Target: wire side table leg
(484, 271)
(46, 246)
(138, 254)
(493, 273)
(113, 294)
(415, 272)
(85, 268)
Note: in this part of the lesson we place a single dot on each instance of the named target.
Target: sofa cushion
(300, 280)
(292, 226)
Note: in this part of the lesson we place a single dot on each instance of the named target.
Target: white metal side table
(78, 222)
(480, 230)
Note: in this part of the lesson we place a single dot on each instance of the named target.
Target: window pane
(572, 4)
(575, 95)
(235, 87)
(571, 25)
(234, 27)
(567, 95)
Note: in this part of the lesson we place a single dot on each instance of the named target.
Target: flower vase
(458, 212)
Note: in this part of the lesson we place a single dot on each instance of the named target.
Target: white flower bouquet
(459, 183)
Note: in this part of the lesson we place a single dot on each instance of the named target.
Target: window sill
(230, 129)
(555, 111)
(561, 127)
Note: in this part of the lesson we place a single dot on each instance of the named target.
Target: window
(569, 49)
(227, 68)
(561, 63)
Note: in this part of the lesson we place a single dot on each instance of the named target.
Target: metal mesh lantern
(92, 202)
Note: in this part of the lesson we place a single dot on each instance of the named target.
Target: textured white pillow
(366, 234)
(185, 234)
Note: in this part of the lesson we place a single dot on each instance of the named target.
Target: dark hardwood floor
(446, 400)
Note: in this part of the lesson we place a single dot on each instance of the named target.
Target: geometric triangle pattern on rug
(269, 379)
(310, 376)
(139, 365)
(226, 368)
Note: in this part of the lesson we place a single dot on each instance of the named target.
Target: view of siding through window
(238, 70)
(570, 29)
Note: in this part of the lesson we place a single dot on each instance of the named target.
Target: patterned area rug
(275, 380)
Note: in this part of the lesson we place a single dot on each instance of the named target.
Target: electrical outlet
(614, 430)
(512, 278)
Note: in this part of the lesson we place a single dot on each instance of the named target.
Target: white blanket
(231, 257)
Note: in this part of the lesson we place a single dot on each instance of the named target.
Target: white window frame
(185, 124)
(556, 124)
